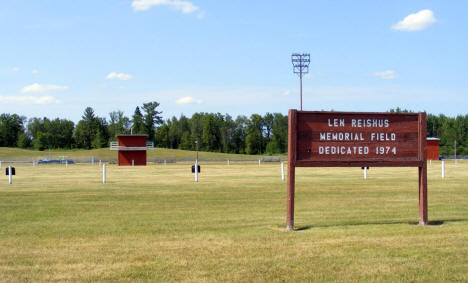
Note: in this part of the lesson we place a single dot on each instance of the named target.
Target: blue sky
(58, 57)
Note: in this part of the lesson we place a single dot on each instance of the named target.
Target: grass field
(81, 155)
(155, 223)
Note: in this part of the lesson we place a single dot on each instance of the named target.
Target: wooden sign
(344, 139)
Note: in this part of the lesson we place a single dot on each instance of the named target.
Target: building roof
(131, 135)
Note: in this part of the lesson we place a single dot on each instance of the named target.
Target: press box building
(132, 149)
(432, 148)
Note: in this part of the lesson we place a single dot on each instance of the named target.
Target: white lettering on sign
(336, 122)
(383, 136)
(343, 150)
(357, 136)
(338, 136)
(370, 123)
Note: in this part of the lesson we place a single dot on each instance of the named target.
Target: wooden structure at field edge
(131, 149)
(419, 161)
(432, 148)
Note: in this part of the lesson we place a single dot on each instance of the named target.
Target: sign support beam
(292, 142)
(422, 170)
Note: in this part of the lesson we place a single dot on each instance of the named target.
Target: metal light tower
(300, 66)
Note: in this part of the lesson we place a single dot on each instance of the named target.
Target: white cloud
(186, 7)
(42, 100)
(35, 72)
(188, 100)
(37, 88)
(119, 76)
(16, 69)
(287, 92)
(386, 75)
(415, 22)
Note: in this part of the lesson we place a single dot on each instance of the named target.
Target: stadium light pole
(300, 66)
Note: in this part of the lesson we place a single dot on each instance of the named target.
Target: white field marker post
(164, 162)
(365, 173)
(259, 163)
(430, 162)
(282, 171)
(10, 176)
(196, 170)
(92, 160)
(228, 162)
(104, 173)
(100, 163)
(66, 163)
(443, 169)
(455, 151)
(133, 162)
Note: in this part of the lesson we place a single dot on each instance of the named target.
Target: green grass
(155, 223)
(106, 154)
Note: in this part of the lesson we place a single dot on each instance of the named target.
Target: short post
(430, 162)
(104, 173)
(365, 173)
(10, 175)
(455, 152)
(133, 162)
(92, 160)
(196, 161)
(259, 163)
(443, 169)
(66, 163)
(100, 163)
(282, 171)
(228, 162)
(0, 164)
(164, 162)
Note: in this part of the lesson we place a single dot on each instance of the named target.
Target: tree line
(214, 132)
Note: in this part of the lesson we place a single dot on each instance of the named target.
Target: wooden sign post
(350, 139)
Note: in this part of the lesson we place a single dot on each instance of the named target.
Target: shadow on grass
(430, 223)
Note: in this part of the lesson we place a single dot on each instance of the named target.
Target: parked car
(56, 161)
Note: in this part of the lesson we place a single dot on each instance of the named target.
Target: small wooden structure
(432, 151)
(132, 149)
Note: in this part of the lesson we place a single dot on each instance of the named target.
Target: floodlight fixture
(300, 66)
